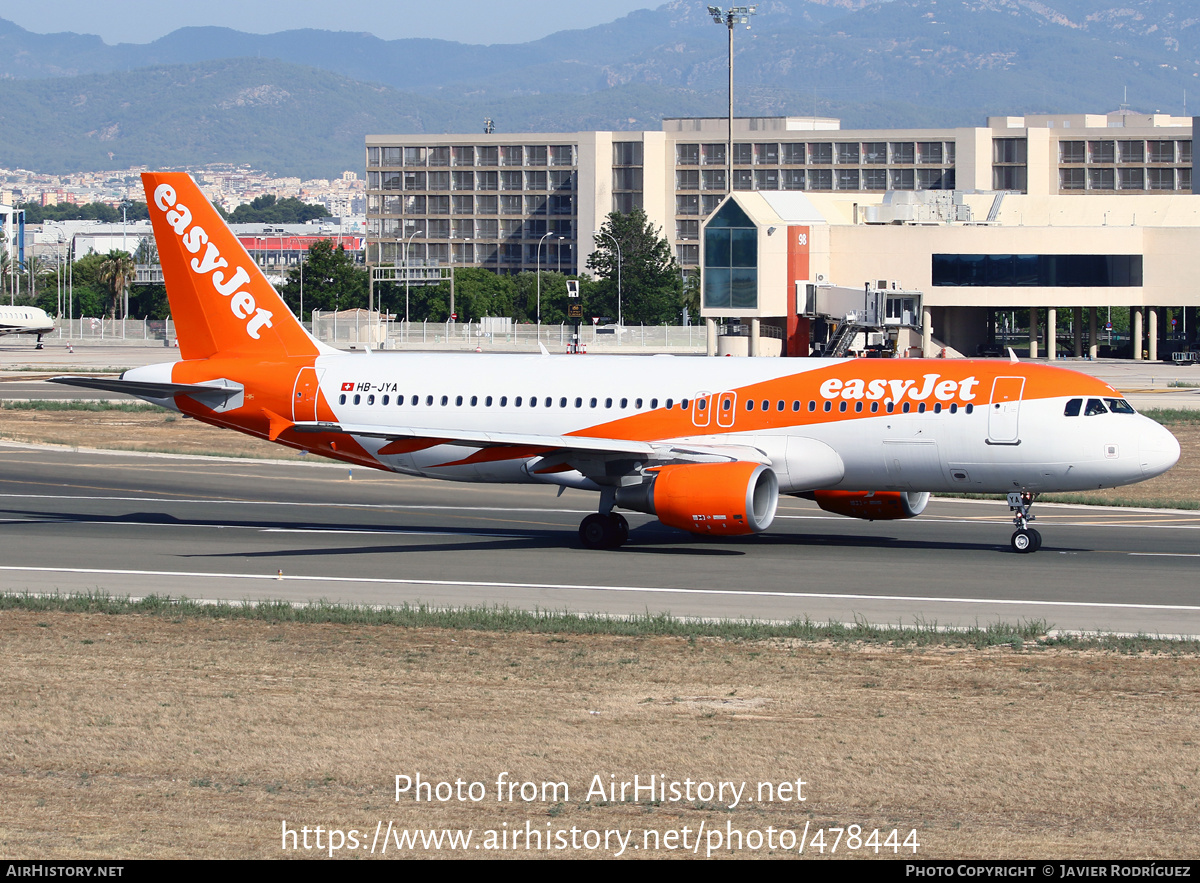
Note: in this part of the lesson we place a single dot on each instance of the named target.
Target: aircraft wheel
(1025, 541)
(1037, 539)
(596, 532)
(620, 529)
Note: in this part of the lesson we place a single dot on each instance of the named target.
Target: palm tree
(116, 272)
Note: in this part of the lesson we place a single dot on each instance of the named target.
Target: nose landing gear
(1025, 539)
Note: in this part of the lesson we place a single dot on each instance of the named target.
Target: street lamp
(734, 15)
(598, 233)
(539, 282)
(407, 270)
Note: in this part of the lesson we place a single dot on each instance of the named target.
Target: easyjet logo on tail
(210, 263)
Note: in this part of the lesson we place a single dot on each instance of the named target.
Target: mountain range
(300, 102)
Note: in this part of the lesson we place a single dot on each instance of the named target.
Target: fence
(89, 330)
(358, 327)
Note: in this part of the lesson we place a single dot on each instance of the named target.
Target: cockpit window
(1072, 409)
(1120, 406)
(1094, 407)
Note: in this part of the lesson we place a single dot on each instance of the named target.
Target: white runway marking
(662, 590)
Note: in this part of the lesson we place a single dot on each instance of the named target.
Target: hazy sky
(468, 21)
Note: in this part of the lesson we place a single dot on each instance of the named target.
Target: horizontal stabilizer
(216, 394)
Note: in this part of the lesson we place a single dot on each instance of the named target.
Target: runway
(214, 528)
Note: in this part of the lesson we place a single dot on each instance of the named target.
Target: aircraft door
(1004, 410)
(304, 397)
(701, 409)
(726, 409)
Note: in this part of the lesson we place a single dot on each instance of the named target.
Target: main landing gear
(600, 531)
(1025, 539)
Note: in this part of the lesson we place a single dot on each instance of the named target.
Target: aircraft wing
(216, 394)
(667, 450)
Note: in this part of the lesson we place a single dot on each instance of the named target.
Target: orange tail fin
(220, 300)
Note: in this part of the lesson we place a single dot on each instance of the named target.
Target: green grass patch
(1024, 636)
(80, 405)
(1170, 416)
(1183, 384)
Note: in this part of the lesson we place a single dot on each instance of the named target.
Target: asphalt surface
(211, 528)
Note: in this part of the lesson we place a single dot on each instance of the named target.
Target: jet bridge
(880, 319)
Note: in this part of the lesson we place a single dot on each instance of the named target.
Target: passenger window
(578, 403)
(812, 406)
(532, 401)
(624, 404)
(549, 401)
(937, 408)
(562, 403)
(1094, 407)
(1072, 409)
(858, 407)
(591, 403)
(384, 400)
(842, 406)
(474, 401)
(415, 399)
(608, 403)
(445, 401)
(702, 404)
(874, 407)
(779, 406)
(357, 399)
(654, 403)
(683, 405)
(921, 408)
(503, 401)
(458, 401)
(829, 406)
(907, 407)
(749, 404)
(795, 406)
(342, 399)
(517, 402)
(970, 409)
(954, 409)
(670, 403)
(638, 404)
(487, 403)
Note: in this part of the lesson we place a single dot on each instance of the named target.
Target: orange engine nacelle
(715, 499)
(872, 505)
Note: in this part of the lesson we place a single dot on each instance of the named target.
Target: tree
(116, 271)
(267, 210)
(651, 288)
(332, 281)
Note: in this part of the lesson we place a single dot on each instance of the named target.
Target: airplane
(704, 445)
(25, 320)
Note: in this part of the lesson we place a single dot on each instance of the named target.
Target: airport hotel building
(1050, 212)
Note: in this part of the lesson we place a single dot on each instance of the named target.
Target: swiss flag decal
(346, 387)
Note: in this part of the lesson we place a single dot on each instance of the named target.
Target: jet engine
(872, 505)
(713, 499)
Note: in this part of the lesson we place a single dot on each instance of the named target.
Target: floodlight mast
(734, 15)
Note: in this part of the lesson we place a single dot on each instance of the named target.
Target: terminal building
(1063, 215)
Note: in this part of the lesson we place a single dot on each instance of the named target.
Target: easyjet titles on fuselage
(241, 302)
(894, 390)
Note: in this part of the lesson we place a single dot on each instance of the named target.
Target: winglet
(1012, 357)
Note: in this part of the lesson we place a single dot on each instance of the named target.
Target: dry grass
(135, 735)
